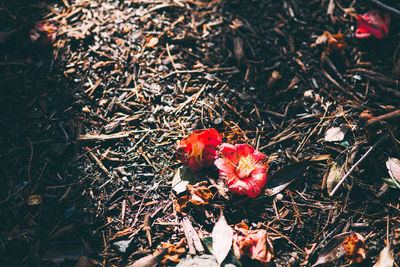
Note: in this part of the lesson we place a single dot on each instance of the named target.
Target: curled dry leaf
(393, 166)
(222, 235)
(332, 250)
(252, 243)
(174, 251)
(333, 42)
(385, 258)
(284, 176)
(355, 249)
(333, 177)
(198, 195)
(335, 134)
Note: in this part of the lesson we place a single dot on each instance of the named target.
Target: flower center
(197, 152)
(246, 166)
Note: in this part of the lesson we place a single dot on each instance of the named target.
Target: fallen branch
(192, 238)
(387, 116)
(101, 137)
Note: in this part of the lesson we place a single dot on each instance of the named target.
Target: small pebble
(279, 197)
(308, 94)
(85, 109)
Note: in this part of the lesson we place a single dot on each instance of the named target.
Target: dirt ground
(89, 124)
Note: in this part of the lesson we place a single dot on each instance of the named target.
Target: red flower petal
(372, 24)
(229, 152)
(225, 165)
(252, 243)
(199, 149)
(243, 150)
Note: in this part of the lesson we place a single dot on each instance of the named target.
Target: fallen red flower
(44, 32)
(372, 24)
(199, 149)
(252, 243)
(243, 168)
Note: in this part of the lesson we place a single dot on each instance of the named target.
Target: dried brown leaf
(333, 250)
(333, 177)
(284, 176)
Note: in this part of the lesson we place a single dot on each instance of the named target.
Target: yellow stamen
(197, 152)
(246, 166)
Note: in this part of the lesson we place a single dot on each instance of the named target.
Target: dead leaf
(349, 244)
(332, 250)
(335, 134)
(222, 235)
(175, 251)
(284, 176)
(197, 195)
(385, 258)
(150, 260)
(393, 166)
(198, 261)
(183, 176)
(333, 42)
(355, 249)
(333, 177)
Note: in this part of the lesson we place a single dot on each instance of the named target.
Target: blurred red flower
(199, 149)
(372, 24)
(252, 243)
(243, 168)
(43, 32)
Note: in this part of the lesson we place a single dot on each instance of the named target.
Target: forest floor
(89, 125)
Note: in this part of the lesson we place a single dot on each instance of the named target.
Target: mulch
(89, 124)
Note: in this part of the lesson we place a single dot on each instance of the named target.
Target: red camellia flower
(199, 149)
(44, 33)
(372, 24)
(243, 168)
